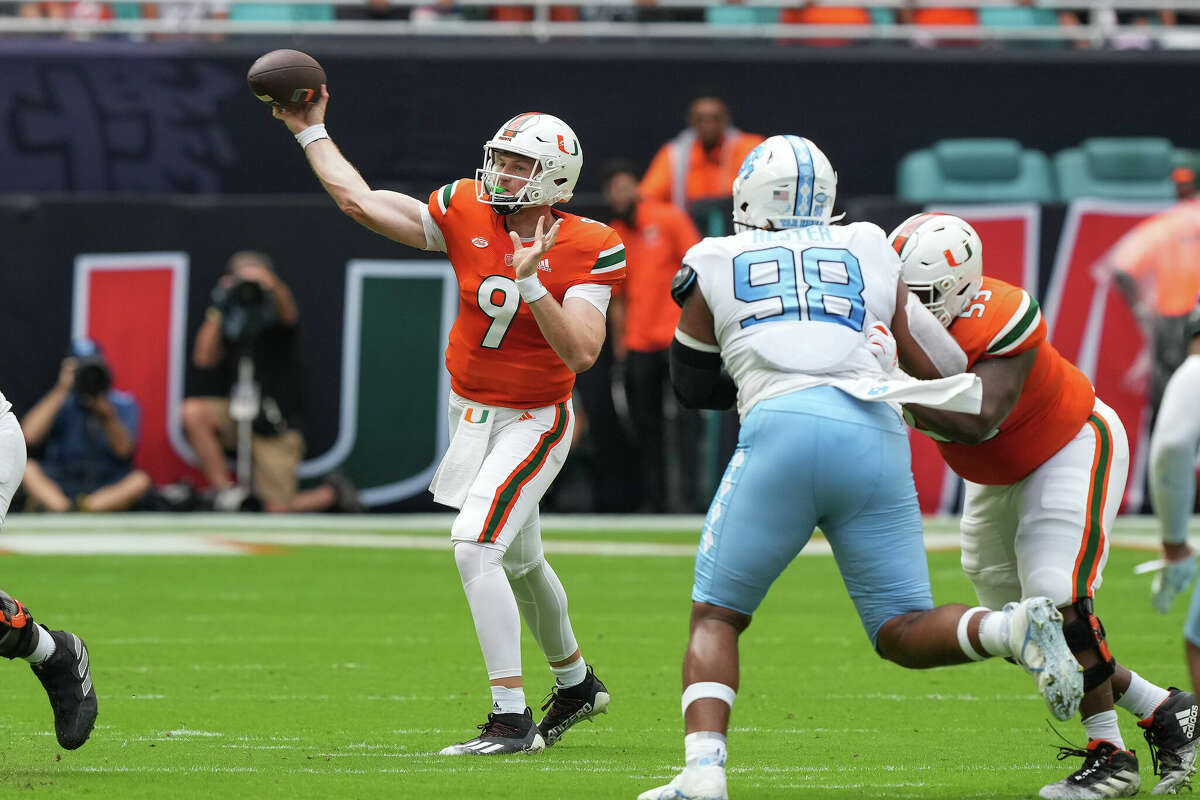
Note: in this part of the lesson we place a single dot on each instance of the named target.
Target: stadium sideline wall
(177, 117)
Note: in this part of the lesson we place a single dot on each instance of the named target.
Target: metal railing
(543, 28)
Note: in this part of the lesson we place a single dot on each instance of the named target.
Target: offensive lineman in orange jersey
(1045, 464)
(534, 287)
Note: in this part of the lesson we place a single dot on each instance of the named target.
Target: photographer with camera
(246, 348)
(88, 432)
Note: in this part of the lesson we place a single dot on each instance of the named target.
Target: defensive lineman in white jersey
(797, 312)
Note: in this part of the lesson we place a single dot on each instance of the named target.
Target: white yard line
(242, 534)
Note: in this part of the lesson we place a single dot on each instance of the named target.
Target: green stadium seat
(264, 12)
(741, 15)
(1017, 16)
(975, 170)
(1134, 168)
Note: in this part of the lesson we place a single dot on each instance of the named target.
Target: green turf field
(335, 672)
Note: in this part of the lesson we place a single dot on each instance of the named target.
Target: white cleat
(694, 783)
(1036, 638)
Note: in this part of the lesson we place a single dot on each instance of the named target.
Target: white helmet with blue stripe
(785, 182)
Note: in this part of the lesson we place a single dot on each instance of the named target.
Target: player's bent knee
(1049, 582)
(995, 586)
(474, 560)
(707, 612)
(889, 639)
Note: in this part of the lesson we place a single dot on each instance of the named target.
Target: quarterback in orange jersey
(534, 286)
(1045, 464)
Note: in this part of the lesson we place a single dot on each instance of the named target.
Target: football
(287, 77)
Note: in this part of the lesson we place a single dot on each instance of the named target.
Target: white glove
(882, 345)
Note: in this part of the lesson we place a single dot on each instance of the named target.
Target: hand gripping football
(286, 77)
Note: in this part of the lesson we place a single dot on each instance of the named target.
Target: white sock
(1142, 696)
(493, 607)
(1104, 726)
(570, 675)
(44, 648)
(508, 701)
(993, 633)
(704, 749)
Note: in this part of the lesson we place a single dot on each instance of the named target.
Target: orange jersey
(654, 247)
(497, 354)
(1056, 399)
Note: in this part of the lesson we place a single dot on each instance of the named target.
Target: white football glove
(882, 345)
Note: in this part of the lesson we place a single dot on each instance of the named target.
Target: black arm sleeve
(699, 380)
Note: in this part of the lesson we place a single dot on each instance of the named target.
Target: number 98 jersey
(497, 354)
(790, 307)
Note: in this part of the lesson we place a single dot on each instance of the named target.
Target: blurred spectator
(701, 162)
(438, 11)
(88, 432)
(813, 13)
(251, 325)
(525, 13)
(1156, 266)
(377, 10)
(643, 318)
(184, 14)
(1108, 18)
(934, 17)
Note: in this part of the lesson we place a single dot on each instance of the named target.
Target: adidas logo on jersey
(1187, 721)
(544, 265)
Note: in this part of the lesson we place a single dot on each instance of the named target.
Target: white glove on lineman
(882, 345)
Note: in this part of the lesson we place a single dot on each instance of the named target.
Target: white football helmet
(941, 258)
(785, 182)
(547, 140)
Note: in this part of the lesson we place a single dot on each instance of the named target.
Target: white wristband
(311, 134)
(531, 288)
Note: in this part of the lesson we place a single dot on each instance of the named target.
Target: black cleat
(571, 705)
(501, 734)
(1171, 732)
(1106, 772)
(67, 679)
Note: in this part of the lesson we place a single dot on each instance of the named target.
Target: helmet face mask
(785, 182)
(941, 258)
(557, 157)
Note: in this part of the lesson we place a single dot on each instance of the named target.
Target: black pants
(668, 435)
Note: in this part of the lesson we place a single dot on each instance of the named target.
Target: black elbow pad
(699, 380)
(682, 284)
